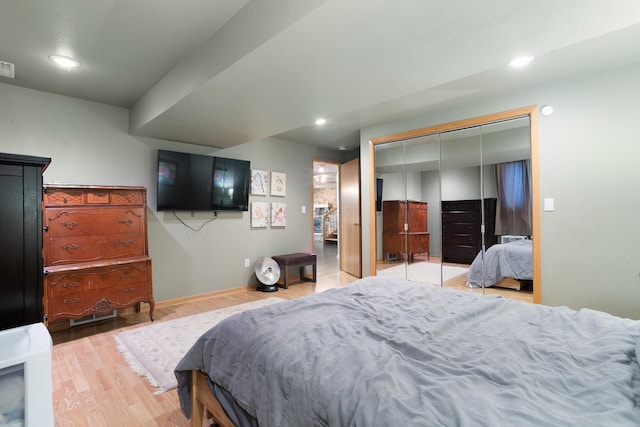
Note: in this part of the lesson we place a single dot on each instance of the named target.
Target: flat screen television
(195, 182)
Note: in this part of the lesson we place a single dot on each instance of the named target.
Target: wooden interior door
(350, 230)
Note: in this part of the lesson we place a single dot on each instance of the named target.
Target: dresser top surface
(91, 187)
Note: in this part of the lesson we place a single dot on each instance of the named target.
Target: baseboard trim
(191, 298)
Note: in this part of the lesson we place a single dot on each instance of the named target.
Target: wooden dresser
(461, 229)
(401, 240)
(96, 257)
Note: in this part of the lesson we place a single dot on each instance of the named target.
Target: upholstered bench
(301, 260)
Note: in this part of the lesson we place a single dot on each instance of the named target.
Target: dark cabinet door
(21, 245)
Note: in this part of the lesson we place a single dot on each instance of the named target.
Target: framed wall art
(278, 214)
(259, 214)
(278, 184)
(259, 182)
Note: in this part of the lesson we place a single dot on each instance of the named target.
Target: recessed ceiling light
(546, 110)
(65, 61)
(521, 61)
(321, 121)
(342, 148)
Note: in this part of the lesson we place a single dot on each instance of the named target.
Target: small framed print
(278, 184)
(259, 180)
(259, 214)
(278, 214)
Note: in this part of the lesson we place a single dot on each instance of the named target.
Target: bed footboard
(202, 399)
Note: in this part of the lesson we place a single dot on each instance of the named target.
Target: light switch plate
(549, 204)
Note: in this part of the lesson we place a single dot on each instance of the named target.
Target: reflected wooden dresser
(398, 239)
(461, 229)
(95, 250)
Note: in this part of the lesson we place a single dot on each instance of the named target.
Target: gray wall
(89, 144)
(588, 153)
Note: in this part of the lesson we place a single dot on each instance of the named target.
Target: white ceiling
(226, 72)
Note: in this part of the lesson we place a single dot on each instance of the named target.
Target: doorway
(326, 236)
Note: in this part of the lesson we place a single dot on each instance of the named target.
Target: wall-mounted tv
(195, 182)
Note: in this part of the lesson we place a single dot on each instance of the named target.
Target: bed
(385, 351)
(505, 265)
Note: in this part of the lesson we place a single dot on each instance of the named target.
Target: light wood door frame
(532, 113)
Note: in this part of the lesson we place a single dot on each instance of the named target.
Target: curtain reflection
(513, 214)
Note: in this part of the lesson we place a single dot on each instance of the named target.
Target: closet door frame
(532, 113)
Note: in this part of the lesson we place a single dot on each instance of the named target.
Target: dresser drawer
(78, 249)
(79, 281)
(63, 196)
(80, 196)
(460, 228)
(461, 216)
(461, 205)
(96, 301)
(128, 197)
(61, 222)
(459, 253)
(461, 239)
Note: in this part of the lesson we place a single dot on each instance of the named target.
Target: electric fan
(268, 273)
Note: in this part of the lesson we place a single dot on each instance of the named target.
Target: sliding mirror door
(461, 180)
(507, 259)
(408, 172)
(486, 200)
(490, 160)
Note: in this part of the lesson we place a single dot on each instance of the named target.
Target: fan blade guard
(267, 271)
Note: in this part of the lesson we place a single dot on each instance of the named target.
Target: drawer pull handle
(126, 242)
(127, 276)
(70, 247)
(70, 300)
(125, 221)
(70, 225)
(71, 285)
(128, 290)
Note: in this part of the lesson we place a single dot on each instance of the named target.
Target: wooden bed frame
(204, 404)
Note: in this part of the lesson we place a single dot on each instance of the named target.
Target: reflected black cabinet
(461, 229)
(21, 289)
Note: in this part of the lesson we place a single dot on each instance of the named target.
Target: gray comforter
(513, 259)
(385, 351)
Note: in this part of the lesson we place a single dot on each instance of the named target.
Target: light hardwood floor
(93, 386)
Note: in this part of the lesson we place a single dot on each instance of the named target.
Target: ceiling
(225, 72)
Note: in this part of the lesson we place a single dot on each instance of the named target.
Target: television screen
(231, 183)
(195, 182)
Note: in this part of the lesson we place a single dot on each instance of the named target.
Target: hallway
(326, 256)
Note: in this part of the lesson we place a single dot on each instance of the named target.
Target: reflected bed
(505, 265)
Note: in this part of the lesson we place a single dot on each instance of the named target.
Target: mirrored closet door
(472, 187)
(407, 247)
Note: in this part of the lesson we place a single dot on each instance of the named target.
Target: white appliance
(25, 377)
(507, 239)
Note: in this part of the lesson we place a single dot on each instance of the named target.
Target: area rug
(154, 350)
(424, 272)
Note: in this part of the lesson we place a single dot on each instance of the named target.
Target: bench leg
(286, 277)
(304, 277)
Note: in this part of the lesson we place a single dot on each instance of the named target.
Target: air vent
(7, 69)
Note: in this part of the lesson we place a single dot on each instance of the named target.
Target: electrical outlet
(247, 262)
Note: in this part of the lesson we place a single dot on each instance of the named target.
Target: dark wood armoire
(21, 289)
